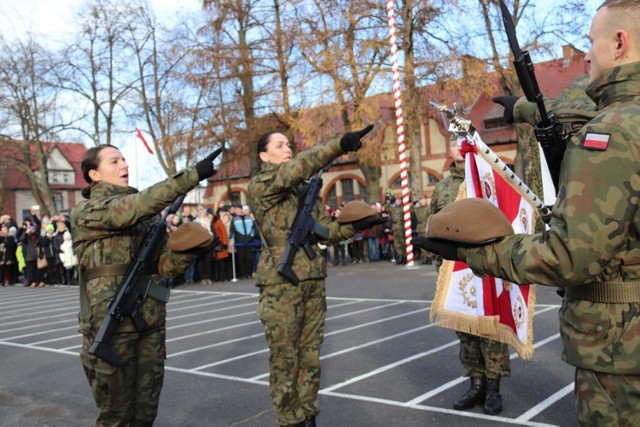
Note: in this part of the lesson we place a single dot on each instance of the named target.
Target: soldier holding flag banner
(592, 246)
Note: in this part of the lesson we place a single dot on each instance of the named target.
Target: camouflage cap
(472, 221)
(189, 235)
(354, 211)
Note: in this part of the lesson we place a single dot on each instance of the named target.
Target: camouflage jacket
(275, 202)
(107, 230)
(572, 113)
(446, 190)
(397, 217)
(594, 236)
(422, 216)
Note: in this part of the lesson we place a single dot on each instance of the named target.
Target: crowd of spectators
(39, 251)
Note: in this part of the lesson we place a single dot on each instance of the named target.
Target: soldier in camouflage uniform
(592, 247)
(421, 211)
(293, 315)
(483, 360)
(396, 212)
(107, 230)
(446, 190)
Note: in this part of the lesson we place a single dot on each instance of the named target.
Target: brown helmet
(354, 211)
(189, 235)
(472, 221)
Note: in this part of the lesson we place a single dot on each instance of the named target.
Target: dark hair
(90, 160)
(264, 140)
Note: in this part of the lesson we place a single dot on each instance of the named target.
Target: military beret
(189, 235)
(354, 211)
(472, 221)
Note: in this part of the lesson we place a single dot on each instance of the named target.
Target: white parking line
(206, 304)
(186, 300)
(540, 407)
(436, 409)
(46, 306)
(200, 313)
(38, 325)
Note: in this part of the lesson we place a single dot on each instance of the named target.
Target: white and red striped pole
(397, 93)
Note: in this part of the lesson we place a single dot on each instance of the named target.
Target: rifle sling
(156, 291)
(606, 292)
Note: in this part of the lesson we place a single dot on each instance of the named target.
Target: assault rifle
(549, 130)
(303, 229)
(132, 291)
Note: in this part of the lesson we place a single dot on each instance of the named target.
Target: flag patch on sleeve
(596, 141)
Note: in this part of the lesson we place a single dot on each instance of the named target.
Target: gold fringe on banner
(484, 326)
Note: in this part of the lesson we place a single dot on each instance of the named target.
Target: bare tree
(30, 115)
(480, 34)
(237, 24)
(97, 69)
(415, 17)
(346, 44)
(167, 99)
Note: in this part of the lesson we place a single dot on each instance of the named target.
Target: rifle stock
(131, 292)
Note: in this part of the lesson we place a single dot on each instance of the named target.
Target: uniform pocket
(272, 305)
(97, 365)
(586, 333)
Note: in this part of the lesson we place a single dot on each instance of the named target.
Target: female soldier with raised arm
(293, 315)
(108, 229)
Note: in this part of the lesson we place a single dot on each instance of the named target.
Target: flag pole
(465, 127)
(397, 94)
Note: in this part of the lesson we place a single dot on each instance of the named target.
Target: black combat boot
(310, 421)
(473, 396)
(493, 400)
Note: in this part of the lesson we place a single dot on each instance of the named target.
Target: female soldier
(107, 230)
(293, 315)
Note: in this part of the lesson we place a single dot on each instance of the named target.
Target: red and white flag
(144, 141)
(490, 307)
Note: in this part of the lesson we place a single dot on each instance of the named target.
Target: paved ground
(384, 363)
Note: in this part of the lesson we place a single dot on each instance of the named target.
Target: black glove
(205, 166)
(447, 250)
(508, 102)
(368, 222)
(351, 141)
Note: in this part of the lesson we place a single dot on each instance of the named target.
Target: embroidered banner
(490, 307)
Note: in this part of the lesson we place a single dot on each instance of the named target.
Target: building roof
(553, 77)
(72, 152)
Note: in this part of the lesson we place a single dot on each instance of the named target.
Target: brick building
(65, 181)
(345, 182)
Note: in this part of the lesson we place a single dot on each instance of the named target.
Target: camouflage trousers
(127, 395)
(399, 244)
(293, 321)
(482, 357)
(607, 399)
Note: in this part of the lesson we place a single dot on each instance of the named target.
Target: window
(397, 183)
(235, 198)
(332, 197)
(432, 179)
(495, 123)
(57, 199)
(347, 190)
(364, 192)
